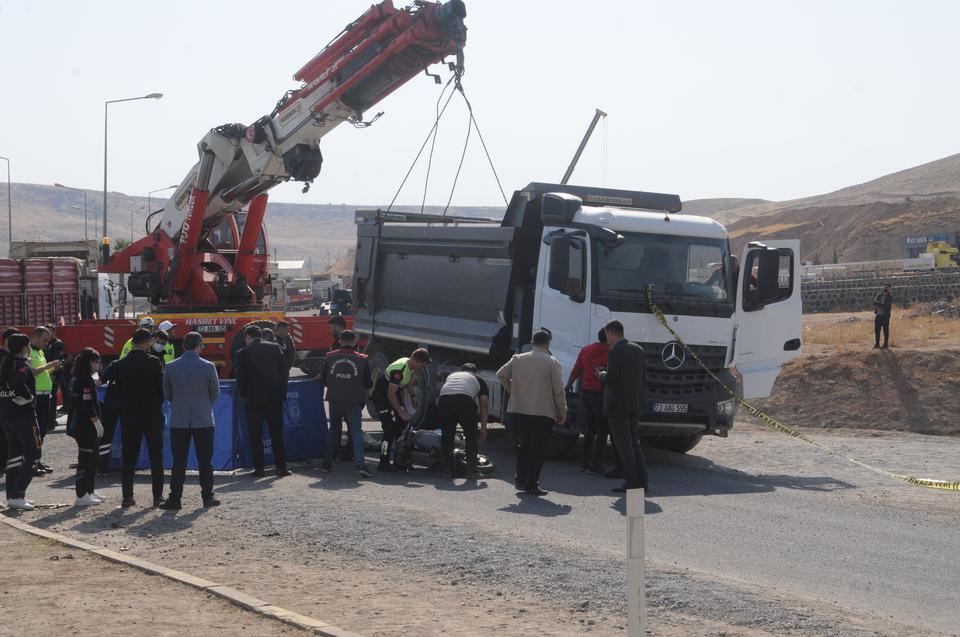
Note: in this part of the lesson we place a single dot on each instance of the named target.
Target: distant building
(287, 270)
(916, 245)
(86, 250)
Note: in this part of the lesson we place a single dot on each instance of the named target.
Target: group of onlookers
(148, 373)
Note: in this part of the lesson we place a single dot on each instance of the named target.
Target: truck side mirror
(568, 267)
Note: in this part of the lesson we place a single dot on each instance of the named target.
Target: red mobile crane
(205, 263)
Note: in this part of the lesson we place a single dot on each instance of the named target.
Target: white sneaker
(97, 496)
(86, 501)
(19, 504)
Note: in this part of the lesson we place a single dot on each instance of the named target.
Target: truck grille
(689, 380)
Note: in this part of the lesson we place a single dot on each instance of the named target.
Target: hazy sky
(706, 99)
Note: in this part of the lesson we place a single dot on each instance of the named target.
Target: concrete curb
(232, 595)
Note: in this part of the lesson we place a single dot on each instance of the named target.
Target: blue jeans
(353, 416)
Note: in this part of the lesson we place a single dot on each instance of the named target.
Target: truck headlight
(727, 408)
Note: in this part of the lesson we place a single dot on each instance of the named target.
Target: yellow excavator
(944, 254)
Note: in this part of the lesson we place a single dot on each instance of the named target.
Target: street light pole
(9, 205)
(150, 194)
(86, 236)
(151, 96)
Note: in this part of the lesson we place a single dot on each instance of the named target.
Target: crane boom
(202, 253)
(583, 144)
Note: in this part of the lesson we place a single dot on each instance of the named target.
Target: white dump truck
(571, 258)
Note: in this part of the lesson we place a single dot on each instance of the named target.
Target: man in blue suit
(191, 385)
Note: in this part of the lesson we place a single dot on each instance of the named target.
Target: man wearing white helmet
(146, 323)
(167, 353)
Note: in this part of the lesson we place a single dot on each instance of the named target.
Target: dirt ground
(66, 591)
(840, 381)
(53, 590)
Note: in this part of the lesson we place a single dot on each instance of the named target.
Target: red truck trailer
(46, 291)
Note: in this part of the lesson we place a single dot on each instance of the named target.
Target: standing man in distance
(623, 404)
(464, 399)
(285, 341)
(882, 307)
(139, 383)
(534, 381)
(346, 375)
(337, 326)
(55, 350)
(191, 385)
(43, 381)
(262, 376)
(394, 418)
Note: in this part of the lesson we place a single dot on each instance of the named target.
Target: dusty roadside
(53, 590)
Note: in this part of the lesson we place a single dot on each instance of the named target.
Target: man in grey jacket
(537, 401)
(191, 385)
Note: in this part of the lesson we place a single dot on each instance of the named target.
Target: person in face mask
(162, 348)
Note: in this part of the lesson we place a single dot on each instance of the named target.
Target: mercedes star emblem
(672, 355)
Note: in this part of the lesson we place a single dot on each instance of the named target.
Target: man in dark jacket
(285, 341)
(139, 378)
(623, 404)
(109, 414)
(262, 376)
(882, 306)
(346, 375)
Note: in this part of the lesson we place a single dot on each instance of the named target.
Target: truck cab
(571, 258)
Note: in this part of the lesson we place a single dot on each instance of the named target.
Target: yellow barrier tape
(776, 425)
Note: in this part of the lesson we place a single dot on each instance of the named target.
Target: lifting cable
(422, 146)
(455, 80)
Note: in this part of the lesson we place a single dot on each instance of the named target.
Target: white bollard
(636, 595)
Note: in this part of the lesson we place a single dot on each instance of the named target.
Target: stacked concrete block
(857, 294)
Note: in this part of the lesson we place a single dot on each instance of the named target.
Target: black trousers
(881, 323)
(133, 431)
(593, 405)
(88, 454)
(23, 451)
(460, 410)
(393, 426)
(42, 405)
(532, 450)
(109, 415)
(180, 445)
(273, 414)
(626, 438)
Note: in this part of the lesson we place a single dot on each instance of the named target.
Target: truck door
(563, 304)
(769, 314)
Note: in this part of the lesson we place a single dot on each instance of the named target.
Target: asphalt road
(793, 519)
(750, 530)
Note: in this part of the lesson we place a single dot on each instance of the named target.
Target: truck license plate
(670, 408)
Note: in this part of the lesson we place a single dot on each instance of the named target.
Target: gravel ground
(286, 539)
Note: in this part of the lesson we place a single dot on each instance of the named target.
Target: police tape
(776, 425)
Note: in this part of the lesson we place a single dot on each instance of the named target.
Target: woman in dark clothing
(85, 425)
(18, 417)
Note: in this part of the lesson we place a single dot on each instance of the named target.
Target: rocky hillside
(320, 233)
(861, 222)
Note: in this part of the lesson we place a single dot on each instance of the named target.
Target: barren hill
(321, 233)
(861, 223)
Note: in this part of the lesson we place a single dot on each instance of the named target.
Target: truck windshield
(688, 274)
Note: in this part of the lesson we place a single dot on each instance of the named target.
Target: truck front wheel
(676, 444)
